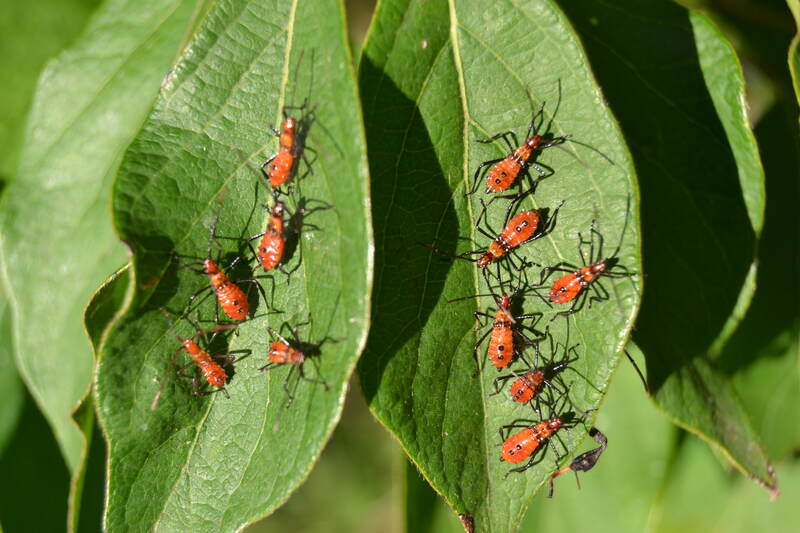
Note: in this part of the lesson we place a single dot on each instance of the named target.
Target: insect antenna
(171, 365)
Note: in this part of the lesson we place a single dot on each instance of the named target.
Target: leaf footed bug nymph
(229, 295)
(295, 353)
(279, 241)
(281, 167)
(575, 284)
(513, 168)
(506, 333)
(522, 228)
(524, 445)
(205, 363)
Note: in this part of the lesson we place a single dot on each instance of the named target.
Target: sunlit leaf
(216, 463)
(434, 78)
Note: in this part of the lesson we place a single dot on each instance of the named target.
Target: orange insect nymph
(501, 342)
(205, 365)
(568, 287)
(229, 295)
(273, 242)
(282, 163)
(522, 445)
(529, 383)
(506, 171)
(282, 353)
(526, 386)
(573, 285)
(293, 353)
(214, 374)
(504, 332)
(519, 230)
(231, 298)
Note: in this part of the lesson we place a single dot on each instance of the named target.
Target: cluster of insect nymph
(511, 334)
(269, 251)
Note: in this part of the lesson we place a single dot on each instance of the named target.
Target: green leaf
(680, 107)
(30, 34)
(10, 384)
(434, 78)
(794, 49)
(215, 463)
(103, 310)
(761, 355)
(106, 305)
(425, 511)
(89, 103)
(725, 82)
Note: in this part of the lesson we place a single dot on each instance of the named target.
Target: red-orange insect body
(280, 169)
(270, 249)
(526, 386)
(231, 298)
(504, 173)
(521, 228)
(568, 287)
(295, 353)
(501, 343)
(215, 375)
(520, 446)
(282, 353)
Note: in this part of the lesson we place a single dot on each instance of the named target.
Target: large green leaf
(434, 78)
(89, 103)
(762, 354)
(30, 34)
(681, 108)
(216, 463)
(105, 307)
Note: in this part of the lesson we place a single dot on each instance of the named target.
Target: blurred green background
(653, 477)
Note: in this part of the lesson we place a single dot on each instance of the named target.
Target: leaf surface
(215, 463)
(31, 34)
(57, 241)
(434, 78)
(762, 354)
(681, 108)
